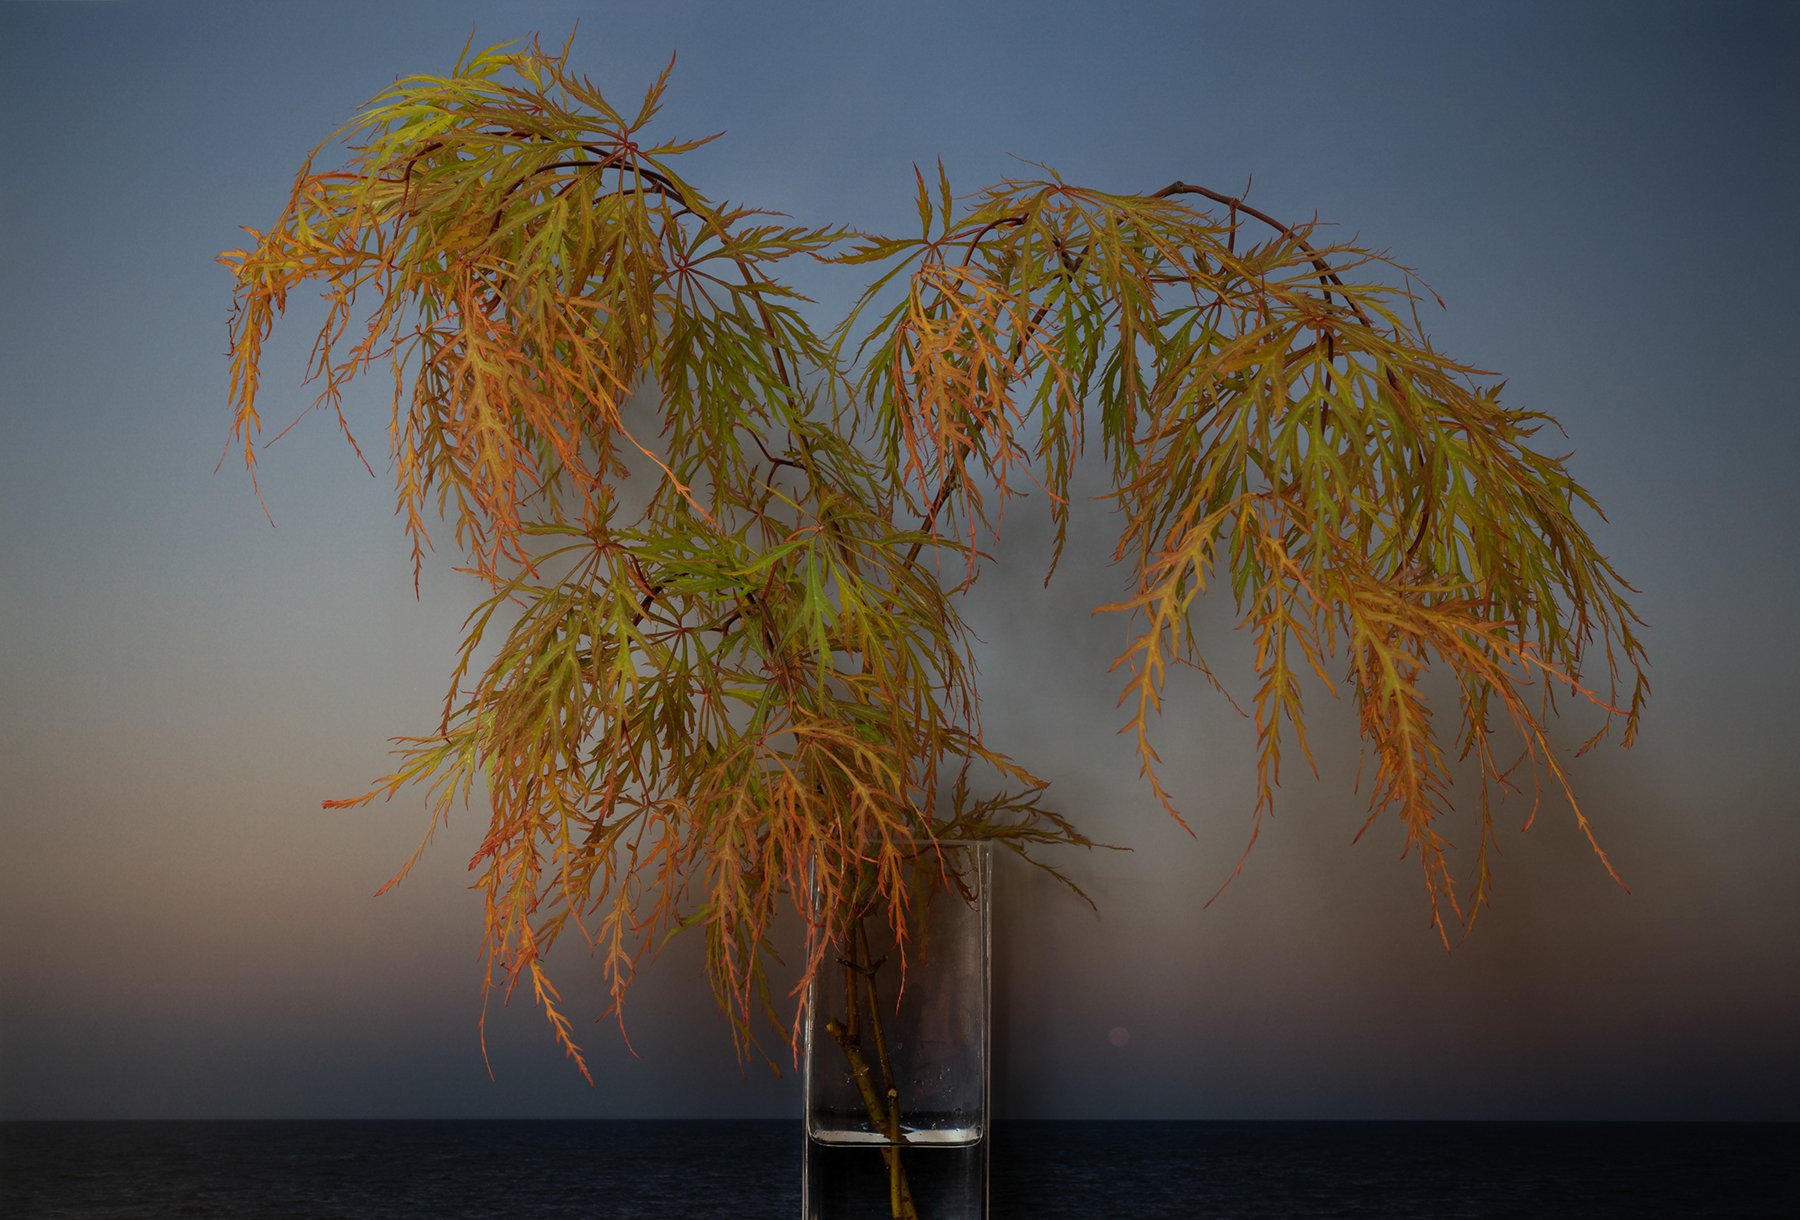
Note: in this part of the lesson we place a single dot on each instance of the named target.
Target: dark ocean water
(750, 1170)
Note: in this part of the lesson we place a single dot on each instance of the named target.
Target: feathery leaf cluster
(759, 682)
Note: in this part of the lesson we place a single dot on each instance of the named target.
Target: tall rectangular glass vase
(897, 1110)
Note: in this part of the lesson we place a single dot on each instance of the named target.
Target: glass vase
(897, 1123)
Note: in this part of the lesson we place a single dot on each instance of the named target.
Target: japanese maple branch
(1237, 204)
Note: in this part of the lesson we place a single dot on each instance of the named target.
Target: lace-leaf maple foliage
(742, 670)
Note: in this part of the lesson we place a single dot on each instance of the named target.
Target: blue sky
(1602, 203)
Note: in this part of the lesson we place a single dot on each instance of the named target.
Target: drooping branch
(759, 677)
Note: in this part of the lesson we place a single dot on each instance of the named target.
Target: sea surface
(548, 1170)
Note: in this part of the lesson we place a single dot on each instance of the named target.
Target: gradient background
(1604, 196)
